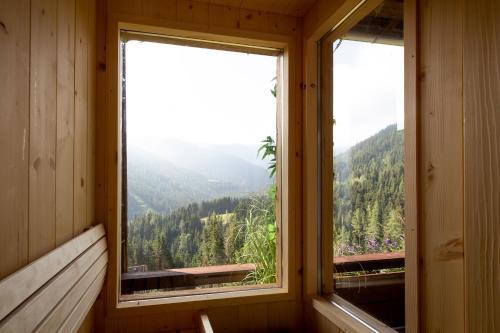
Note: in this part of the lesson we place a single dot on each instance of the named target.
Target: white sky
(208, 96)
(368, 90)
(199, 95)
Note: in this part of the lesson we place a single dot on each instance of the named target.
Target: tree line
(369, 195)
(222, 231)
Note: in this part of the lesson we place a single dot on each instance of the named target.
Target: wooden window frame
(290, 166)
(317, 119)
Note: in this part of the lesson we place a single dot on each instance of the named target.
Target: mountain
(167, 174)
(369, 194)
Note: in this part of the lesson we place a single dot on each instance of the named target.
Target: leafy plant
(268, 148)
(260, 241)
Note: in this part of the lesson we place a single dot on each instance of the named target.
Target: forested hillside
(197, 235)
(368, 214)
(369, 195)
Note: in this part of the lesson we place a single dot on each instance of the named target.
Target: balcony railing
(188, 278)
(179, 278)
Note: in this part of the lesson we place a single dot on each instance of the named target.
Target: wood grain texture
(441, 166)
(29, 315)
(18, 286)
(91, 111)
(56, 292)
(411, 166)
(14, 133)
(65, 119)
(42, 150)
(482, 165)
(81, 113)
(37, 66)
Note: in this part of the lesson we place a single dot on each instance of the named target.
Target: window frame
(335, 25)
(290, 165)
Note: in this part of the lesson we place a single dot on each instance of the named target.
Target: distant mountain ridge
(167, 174)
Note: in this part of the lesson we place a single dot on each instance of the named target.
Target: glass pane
(199, 133)
(368, 108)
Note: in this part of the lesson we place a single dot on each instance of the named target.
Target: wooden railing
(368, 262)
(184, 277)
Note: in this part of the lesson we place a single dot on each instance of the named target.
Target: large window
(200, 166)
(363, 133)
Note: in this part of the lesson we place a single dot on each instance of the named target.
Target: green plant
(268, 148)
(259, 245)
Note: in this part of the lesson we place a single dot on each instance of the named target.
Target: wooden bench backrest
(55, 292)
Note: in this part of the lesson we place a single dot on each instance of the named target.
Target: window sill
(346, 316)
(205, 300)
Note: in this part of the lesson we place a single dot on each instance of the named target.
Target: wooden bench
(55, 292)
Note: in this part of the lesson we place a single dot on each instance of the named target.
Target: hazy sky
(368, 90)
(208, 96)
(199, 95)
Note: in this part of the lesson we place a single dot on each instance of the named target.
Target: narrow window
(363, 69)
(200, 167)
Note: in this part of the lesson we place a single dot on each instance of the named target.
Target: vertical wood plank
(482, 166)
(252, 317)
(65, 119)
(441, 166)
(91, 109)
(283, 316)
(14, 133)
(224, 319)
(100, 197)
(42, 127)
(411, 173)
(81, 110)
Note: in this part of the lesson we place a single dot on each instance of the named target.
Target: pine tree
(394, 231)
(374, 228)
(358, 230)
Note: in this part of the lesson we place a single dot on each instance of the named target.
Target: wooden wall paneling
(100, 112)
(253, 317)
(111, 156)
(284, 316)
(223, 16)
(43, 87)
(441, 166)
(65, 119)
(224, 319)
(91, 111)
(14, 133)
(482, 165)
(411, 165)
(252, 19)
(192, 12)
(166, 9)
(81, 113)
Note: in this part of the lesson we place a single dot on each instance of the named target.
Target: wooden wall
(47, 96)
(481, 76)
(460, 170)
